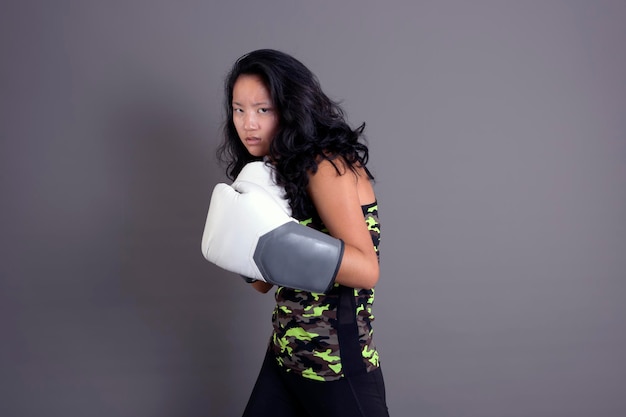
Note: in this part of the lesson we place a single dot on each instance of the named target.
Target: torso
(304, 338)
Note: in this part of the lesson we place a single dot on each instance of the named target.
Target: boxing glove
(264, 174)
(249, 232)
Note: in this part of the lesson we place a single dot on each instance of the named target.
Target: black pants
(278, 393)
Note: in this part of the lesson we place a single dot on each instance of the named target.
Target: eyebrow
(261, 103)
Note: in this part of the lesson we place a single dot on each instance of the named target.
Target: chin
(257, 153)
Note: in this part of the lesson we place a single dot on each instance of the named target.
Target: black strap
(348, 334)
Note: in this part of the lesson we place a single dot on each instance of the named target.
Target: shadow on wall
(173, 289)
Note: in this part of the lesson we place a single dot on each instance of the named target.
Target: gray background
(498, 138)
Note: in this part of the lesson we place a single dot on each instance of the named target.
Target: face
(254, 115)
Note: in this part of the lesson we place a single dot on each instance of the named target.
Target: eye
(237, 110)
(263, 110)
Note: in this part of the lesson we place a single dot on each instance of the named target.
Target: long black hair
(311, 126)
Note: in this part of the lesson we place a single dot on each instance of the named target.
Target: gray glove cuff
(297, 256)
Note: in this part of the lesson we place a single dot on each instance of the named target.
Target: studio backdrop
(497, 135)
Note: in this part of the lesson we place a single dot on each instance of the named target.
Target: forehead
(250, 87)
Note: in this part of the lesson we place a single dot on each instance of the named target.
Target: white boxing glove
(249, 232)
(264, 174)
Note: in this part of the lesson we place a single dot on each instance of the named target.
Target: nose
(250, 121)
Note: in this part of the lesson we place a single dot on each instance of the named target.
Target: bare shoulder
(332, 168)
(338, 194)
(335, 178)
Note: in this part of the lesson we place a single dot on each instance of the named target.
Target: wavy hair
(311, 127)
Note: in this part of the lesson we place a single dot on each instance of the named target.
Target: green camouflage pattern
(304, 339)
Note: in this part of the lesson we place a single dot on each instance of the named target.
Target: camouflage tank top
(304, 338)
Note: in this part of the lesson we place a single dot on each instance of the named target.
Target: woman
(321, 359)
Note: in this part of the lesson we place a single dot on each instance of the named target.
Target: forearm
(358, 269)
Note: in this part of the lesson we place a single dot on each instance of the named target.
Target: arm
(338, 198)
(249, 232)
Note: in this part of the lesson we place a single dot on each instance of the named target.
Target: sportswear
(305, 324)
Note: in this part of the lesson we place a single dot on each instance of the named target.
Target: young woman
(321, 359)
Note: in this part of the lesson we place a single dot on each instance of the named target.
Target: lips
(253, 140)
